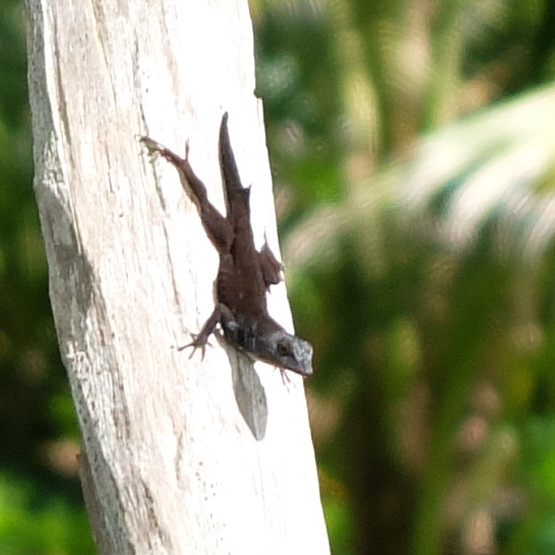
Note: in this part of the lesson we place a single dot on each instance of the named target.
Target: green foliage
(423, 274)
(39, 522)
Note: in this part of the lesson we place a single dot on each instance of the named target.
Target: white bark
(180, 455)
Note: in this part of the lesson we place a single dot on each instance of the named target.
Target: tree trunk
(180, 455)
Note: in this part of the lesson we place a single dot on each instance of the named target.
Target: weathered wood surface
(180, 456)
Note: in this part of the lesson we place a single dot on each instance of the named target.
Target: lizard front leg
(200, 340)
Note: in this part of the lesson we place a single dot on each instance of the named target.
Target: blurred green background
(413, 148)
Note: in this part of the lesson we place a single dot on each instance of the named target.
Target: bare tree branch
(180, 455)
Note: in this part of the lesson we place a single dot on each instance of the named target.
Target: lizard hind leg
(218, 228)
(270, 265)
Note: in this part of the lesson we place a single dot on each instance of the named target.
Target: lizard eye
(283, 349)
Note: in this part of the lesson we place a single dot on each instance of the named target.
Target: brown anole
(244, 274)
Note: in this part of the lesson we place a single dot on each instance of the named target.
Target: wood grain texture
(180, 455)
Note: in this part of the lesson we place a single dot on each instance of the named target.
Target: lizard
(244, 274)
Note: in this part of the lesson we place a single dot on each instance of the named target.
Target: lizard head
(268, 341)
(287, 351)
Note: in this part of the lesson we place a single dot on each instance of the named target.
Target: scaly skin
(245, 274)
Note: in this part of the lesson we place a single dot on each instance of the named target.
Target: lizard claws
(285, 379)
(195, 344)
